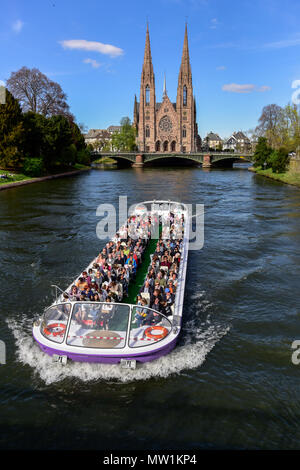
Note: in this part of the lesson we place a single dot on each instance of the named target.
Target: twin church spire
(166, 126)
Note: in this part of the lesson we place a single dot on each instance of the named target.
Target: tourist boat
(69, 329)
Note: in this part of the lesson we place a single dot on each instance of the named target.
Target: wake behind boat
(126, 307)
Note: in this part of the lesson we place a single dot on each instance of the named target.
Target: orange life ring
(163, 330)
(47, 330)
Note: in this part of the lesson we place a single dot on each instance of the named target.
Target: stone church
(166, 126)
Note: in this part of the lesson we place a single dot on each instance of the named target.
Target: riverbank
(105, 161)
(289, 177)
(18, 179)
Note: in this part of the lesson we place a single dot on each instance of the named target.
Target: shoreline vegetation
(288, 177)
(14, 179)
(105, 161)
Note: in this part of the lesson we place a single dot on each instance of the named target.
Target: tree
(35, 126)
(11, 132)
(278, 160)
(59, 138)
(270, 122)
(37, 93)
(262, 152)
(126, 138)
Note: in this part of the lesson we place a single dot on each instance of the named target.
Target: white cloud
(214, 23)
(221, 67)
(93, 63)
(17, 26)
(283, 44)
(236, 88)
(82, 44)
(263, 88)
(247, 88)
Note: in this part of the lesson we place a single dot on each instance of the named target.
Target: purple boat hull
(97, 358)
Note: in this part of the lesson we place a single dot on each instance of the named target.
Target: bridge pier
(139, 161)
(206, 161)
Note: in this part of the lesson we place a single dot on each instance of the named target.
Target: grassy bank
(105, 161)
(289, 177)
(16, 177)
(12, 177)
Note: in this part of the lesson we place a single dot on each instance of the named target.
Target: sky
(244, 54)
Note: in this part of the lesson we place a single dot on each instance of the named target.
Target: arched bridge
(206, 159)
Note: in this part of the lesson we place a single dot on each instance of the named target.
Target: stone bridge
(206, 159)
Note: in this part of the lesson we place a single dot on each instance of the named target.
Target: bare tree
(37, 93)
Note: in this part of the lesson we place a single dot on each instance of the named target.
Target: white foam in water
(198, 342)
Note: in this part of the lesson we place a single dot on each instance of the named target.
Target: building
(212, 141)
(165, 126)
(238, 142)
(101, 138)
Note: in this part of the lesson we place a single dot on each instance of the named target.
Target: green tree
(11, 133)
(278, 160)
(58, 139)
(262, 152)
(35, 126)
(125, 139)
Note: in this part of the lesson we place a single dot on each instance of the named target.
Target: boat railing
(61, 292)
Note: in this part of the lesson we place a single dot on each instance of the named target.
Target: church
(166, 126)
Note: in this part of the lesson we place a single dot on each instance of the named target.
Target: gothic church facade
(166, 126)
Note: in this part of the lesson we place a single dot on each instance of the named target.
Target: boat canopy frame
(165, 321)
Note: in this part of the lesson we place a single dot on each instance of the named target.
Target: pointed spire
(185, 68)
(165, 88)
(147, 66)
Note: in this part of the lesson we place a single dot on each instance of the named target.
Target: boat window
(99, 325)
(54, 323)
(147, 327)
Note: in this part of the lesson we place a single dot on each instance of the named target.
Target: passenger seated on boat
(87, 292)
(66, 297)
(106, 314)
(97, 297)
(160, 279)
(167, 304)
(171, 287)
(86, 277)
(116, 290)
(81, 284)
(61, 314)
(140, 313)
(124, 284)
(152, 318)
(74, 293)
(156, 294)
(147, 288)
(132, 263)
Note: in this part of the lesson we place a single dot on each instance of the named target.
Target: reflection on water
(230, 382)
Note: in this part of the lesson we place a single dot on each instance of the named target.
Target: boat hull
(108, 359)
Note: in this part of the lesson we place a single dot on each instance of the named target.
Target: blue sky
(244, 54)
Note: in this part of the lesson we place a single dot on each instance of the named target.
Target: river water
(229, 384)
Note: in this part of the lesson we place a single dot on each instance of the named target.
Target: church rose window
(165, 124)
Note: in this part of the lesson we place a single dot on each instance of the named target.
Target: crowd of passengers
(108, 278)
